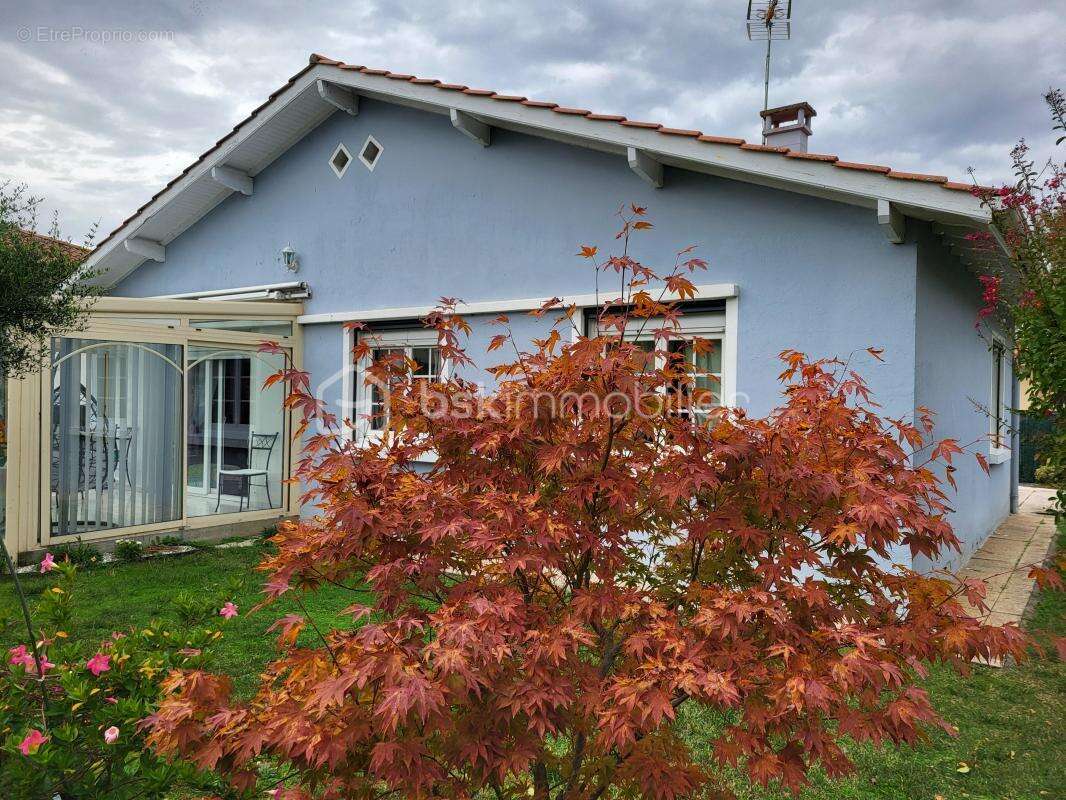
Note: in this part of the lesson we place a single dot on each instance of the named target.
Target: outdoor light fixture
(289, 259)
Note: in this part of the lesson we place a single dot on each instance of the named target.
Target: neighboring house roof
(75, 251)
(326, 85)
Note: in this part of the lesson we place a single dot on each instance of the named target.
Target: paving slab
(1022, 539)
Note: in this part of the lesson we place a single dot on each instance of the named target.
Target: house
(361, 194)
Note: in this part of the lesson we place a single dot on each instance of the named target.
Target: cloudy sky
(102, 102)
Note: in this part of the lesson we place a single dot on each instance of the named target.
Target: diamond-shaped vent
(340, 160)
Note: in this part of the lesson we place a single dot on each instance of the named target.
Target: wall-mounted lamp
(289, 259)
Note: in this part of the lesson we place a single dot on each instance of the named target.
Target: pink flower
(48, 563)
(45, 664)
(229, 611)
(98, 664)
(111, 735)
(32, 743)
(110, 700)
(19, 655)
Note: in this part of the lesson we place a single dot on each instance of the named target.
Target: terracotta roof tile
(679, 132)
(720, 139)
(863, 167)
(917, 176)
(763, 148)
(75, 251)
(317, 59)
(577, 112)
(511, 98)
(812, 156)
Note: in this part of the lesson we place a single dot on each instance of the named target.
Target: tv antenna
(769, 20)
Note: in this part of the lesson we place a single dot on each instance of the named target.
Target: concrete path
(1023, 538)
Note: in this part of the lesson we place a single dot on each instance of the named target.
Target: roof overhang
(301, 105)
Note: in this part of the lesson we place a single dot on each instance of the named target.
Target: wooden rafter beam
(471, 126)
(892, 221)
(339, 97)
(232, 179)
(645, 166)
(146, 248)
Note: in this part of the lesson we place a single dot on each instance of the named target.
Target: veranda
(151, 420)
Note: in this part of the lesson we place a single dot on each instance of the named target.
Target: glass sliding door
(115, 435)
(235, 436)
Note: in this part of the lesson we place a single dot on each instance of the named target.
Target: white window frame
(350, 374)
(340, 148)
(357, 393)
(714, 326)
(998, 407)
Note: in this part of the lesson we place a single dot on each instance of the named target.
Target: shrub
(1025, 284)
(128, 550)
(591, 549)
(71, 722)
(170, 540)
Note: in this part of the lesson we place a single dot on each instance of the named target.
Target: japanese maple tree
(592, 545)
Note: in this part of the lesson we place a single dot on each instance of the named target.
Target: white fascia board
(793, 174)
(715, 291)
(305, 83)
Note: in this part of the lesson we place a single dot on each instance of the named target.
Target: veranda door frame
(28, 495)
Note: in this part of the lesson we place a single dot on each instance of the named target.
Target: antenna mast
(769, 20)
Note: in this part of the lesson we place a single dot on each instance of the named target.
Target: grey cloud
(98, 127)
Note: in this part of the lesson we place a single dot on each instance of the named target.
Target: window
(999, 428)
(708, 373)
(417, 346)
(370, 153)
(340, 160)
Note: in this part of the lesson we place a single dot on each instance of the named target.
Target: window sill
(998, 455)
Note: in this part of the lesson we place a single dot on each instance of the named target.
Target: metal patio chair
(257, 443)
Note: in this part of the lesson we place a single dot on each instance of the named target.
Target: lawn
(1010, 720)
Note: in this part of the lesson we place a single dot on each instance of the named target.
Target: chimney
(787, 126)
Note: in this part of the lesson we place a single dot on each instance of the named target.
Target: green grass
(120, 595)
(1010, 720)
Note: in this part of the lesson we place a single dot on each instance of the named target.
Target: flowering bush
(593, 546)
(70, 724)
(1028, 291)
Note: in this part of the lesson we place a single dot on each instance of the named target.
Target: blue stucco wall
(953, 371)
(440, 215)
